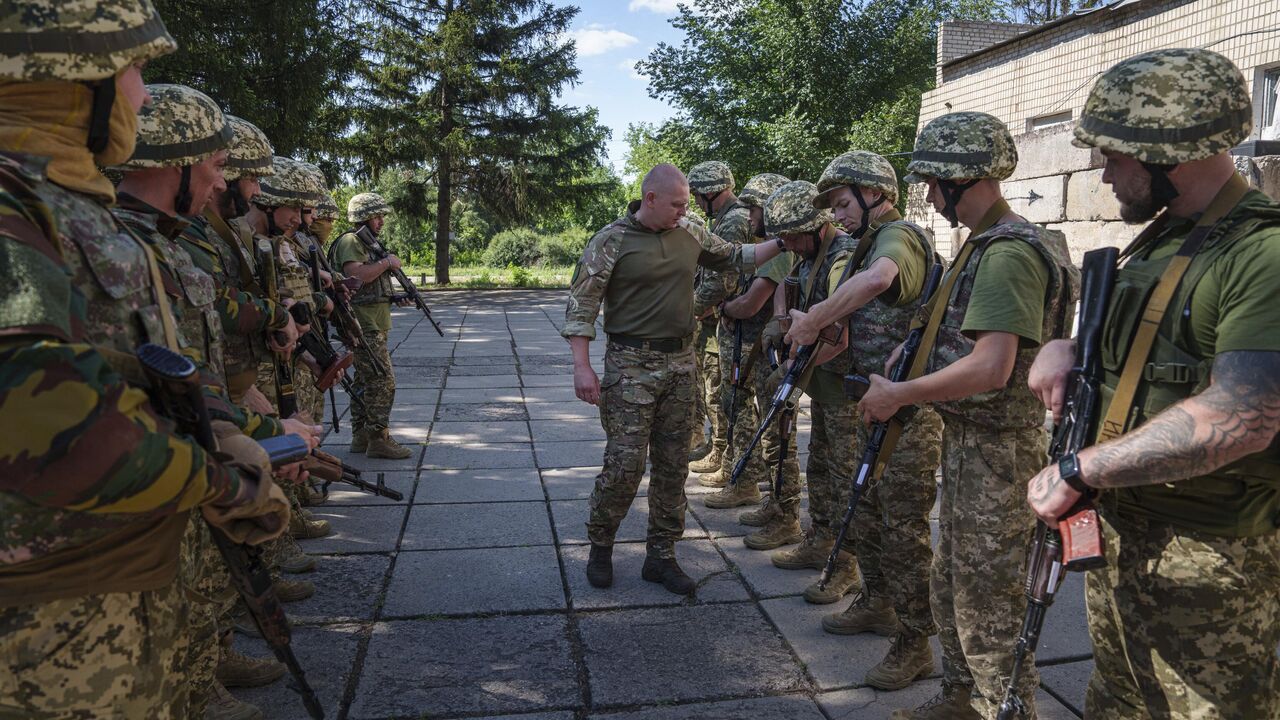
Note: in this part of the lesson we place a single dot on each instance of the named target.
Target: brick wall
(957, 39)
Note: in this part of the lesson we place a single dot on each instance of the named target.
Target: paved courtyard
(468, 599)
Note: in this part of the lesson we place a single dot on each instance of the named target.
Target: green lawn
(489, 277)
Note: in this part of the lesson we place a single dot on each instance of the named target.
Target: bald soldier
(641, 268)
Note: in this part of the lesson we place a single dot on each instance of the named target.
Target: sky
(611, 36)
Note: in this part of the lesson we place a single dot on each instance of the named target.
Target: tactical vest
(842, 245)
(241, 353)
(292, 270)
(372, 293)
(1241, 499)
(1011, 406)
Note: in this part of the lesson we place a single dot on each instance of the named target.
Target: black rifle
(872, 465)
(176, 391)
(735, 378)
(331, 469)
(286, 401)
(783, 402)
(344, 316)
(410, 290)
(1076, 543)
(333, 367)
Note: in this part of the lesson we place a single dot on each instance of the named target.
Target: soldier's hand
(326, 279)
(1049, 496)
(295, 473)
(800, 332)
(301, 426)
(893, 359)
(881, 401)
(300, 329)
(1049, 373)
(393, 262)
(586, 384)
(257, 402)
(328, 308)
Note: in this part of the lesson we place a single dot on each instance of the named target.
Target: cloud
(595, 39)
(662, 7)
(628, 66)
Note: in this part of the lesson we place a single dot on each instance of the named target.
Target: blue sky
(611, 35)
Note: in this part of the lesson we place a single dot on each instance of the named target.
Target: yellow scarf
(51, 119)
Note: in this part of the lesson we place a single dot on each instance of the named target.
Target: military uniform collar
(153, 219)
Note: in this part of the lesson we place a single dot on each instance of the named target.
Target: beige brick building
(1037, 78)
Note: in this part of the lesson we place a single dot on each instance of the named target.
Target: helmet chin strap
(1162, 189)
(951, 193)
(865, 222)
(104, 96)
(182, 203)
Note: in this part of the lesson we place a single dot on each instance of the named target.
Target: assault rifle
(176, 391)
(410, 290)
(735, 377)
(344, 317)
(1076, 542)
(286, 401)
(333, 367)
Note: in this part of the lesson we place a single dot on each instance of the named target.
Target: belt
(658, 344)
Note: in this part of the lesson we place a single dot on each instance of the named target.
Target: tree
(1037, 12)
(467, 90)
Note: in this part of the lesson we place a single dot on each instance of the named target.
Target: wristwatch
(1069, 470)
(781, 245)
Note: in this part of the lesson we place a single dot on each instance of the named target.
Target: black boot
(667, 572)
(600, 566)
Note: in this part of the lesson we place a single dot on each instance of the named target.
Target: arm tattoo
(1238, 415)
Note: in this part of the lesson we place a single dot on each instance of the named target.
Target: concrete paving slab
(477, 525)
(571, 518)
(347, 589)
(344, 495)
(371, 465)
(408, 396)
(1066, 626)
(358, 529)
(578, 453)
(1068, 682)
(416, 376)
(472, 486)
(469, 370)
(464, 382)
(759, 572)
(529, 365)
(787, 707)
(720, 523)
(467, 582)
(421, 356)
(480, 395)
(490, 665)
(480, 432)
(664, 655)
(546, 380)
(326, 654)
(482, 412)
(575, 429)
(497, 359)
(571, 483)
(550, 394)
(441, 456)
(562, 410)
(411, 432)
(870, 704)
(698, 558)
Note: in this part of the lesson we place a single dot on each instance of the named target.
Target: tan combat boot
(864, 614)
(239, 670)
(289, 590)
(382, 445)
(304, 526)
(844, 578)
(731, 496)
(763, 515)
(359, 440)
(717, 479)
(780, 530)
(223, 706)
(292, 560)
(710, 463)
(811, 554)
(950, 704)
(309, 495)
(910, 658)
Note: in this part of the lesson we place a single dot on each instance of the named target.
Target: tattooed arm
(1238, 415)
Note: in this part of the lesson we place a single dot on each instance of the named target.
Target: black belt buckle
(855, 386)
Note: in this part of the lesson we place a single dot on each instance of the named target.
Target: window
(1047, 121)
(1270, 124)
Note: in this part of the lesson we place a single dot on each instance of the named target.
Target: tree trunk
(444, 205)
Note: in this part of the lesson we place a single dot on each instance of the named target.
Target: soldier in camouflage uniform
(322, 225)
(1185, 617)
(712, 186)
(372, 304)
(891, 526)
(648, 388)
(1010, 288)
(92, 612)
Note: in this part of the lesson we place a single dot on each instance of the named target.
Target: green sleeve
(777, 269)
(1234, 305)
(1008, 293)
(905, 250)
(349, 249)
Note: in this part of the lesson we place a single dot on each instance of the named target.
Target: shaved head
(665, 198)
(664, 178)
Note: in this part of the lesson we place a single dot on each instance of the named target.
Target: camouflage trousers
(891, 525)
(980, 563)
(1184, 624)
(95, 656)
(305, 395)
(833, 460)
(377, 389)
(753, 398)
(203, 576)
(646, 398)
(708, 407)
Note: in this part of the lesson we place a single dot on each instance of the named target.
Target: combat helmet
(249, 153)
(709, 178)
(78, 40)
(760, 187)
(316, 182)
(366, 205)
(959, 149)
(1167, 107)
(858, 168)
(790, 210)
(327, 209)
(181, 127)
(288, 186)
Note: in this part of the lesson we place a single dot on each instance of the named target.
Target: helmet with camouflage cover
(182, 126)
(1167, 107)
(858, 168)
(709, 178)
(249, 153)
(327, 209)
(288, 186)
(366, 205)
(316, 181)
(963, 146)
(790, 210)
(78, 40)
(759, 188)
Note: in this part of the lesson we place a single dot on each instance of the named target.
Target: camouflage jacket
(817, 271)
(100, 463)
(294, 273)
(1012, 406)
(731, 224)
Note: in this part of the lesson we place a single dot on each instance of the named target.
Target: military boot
(710, 463)
(778, 531)
(950, 704)
(600, 566)
(909, 659)
(224, 706)
(667, 571)
(289, 590)
(762, 515)
(292, 560)
(698, 448)
(717, 479)
(731, 496)
(304, 526)
(844, 577)
(238, 670)
(864, 614)
(359, 441)
(310, 495)
(382, 445)
(811, 554)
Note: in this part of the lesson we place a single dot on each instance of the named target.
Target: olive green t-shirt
(905, 250)
(1008, 293)
(348, 248)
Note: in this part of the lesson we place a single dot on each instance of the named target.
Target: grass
(478, 276)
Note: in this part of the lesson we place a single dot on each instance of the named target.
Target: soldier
(1185, 617)
(891, 527)
(1010, 288)
(325, 215)
(712, 185)
(779, 518)
(373, 309)
(648, 388)
(824, 252)
(93, 616)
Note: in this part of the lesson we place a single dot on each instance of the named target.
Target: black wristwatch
(781, 245)
(1069, 470)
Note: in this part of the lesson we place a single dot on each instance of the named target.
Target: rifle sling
(1118, 412)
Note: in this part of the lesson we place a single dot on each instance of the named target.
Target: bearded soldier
(1185, 616)
(1010, 289)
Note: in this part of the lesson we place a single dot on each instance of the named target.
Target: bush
(520, 277)
(518, 246)
(562, 248)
